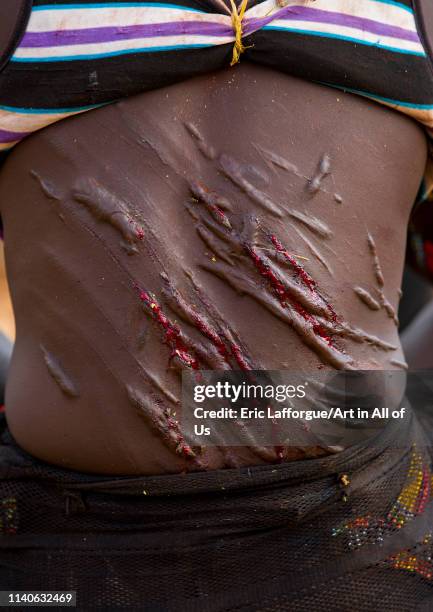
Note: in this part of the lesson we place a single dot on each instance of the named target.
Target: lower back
(245, 219)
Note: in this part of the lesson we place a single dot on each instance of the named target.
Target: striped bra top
(64, 57)
(68, 56)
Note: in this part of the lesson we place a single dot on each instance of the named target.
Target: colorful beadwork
(411, 502)
(415, 494)
(416, 563)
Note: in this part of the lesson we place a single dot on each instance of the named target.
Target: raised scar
(65, 383)
(106, 207)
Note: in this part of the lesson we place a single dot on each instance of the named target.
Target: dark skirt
(352, 531)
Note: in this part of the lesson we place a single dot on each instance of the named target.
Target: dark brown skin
(147, 209)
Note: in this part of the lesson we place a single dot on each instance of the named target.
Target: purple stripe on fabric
(6, 136)
(252, 24)
(110, 34)
(58, 38)
(305, 13)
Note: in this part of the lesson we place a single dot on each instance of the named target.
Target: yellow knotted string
(237, 17)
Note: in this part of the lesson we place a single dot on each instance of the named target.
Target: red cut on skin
(219, 343)
(162, 422)
(201, 324)
(283, 293)
(283, 296)
(237, 353)
(223, 345)
(139, 231)
(219, 211)
(212, 335)
(183, 448)
(308, 281)
(172, 334)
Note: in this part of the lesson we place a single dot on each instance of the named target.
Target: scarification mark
(293, 297)
(314, 184)
(290, 293)
(233, 170)
(213, 244)
(156, 150)
(162, 423)
(180, 351)
(376, 263)
(227, 348)
(184, 351)
(210, 199)
(313, 300)
(257, 175)
(215, 203)
(161, 387)
(47, 188)
(384, 302)
(106, 207)
(389, 309)
(287, 298)
(313, 224)
(292, 290)
(299, 270)
(367, 298)
(221, 343)
(238, 349)
(338, 198)
(343, 329)
(250, 232)
(399, 364)
(194, 214)
(221, 338)
(300, 325)
(206, 149)
(315, 252)
(67, 386)
(189, 315)
(193, 130)
(135, 131)
(227, 237)
(279, 161)
(279, 303)
(300, 293)
(323, 170)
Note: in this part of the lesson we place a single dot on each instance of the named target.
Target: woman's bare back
(242, 219)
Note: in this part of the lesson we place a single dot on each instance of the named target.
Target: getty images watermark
(294, 408)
